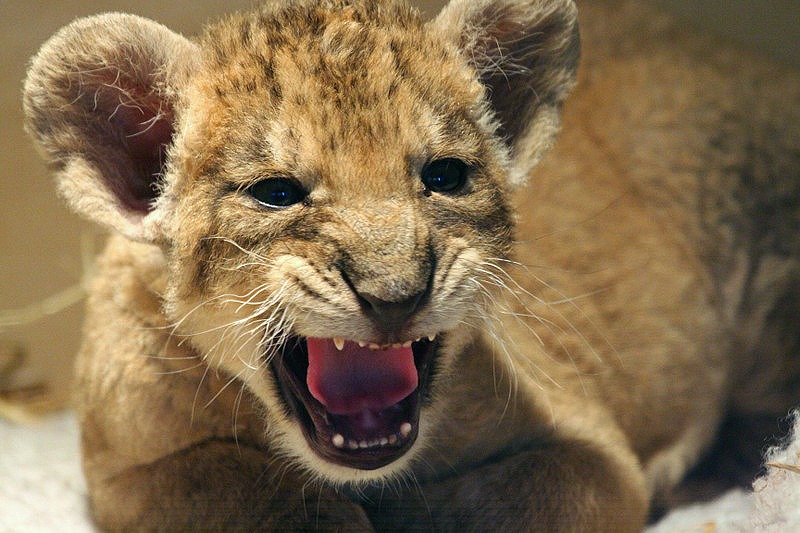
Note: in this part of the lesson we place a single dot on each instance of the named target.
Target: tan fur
(595, 326)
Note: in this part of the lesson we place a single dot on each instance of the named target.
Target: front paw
(219, 486)
(564, 486)
(321, 510)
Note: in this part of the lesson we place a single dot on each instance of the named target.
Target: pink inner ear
(143, 127)
(147, 148)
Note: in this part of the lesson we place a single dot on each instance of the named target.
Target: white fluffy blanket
(42, 488)
(41, 483)
(773, 506)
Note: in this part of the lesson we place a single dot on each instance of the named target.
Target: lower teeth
(339, 441)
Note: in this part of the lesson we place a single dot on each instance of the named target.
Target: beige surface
(40, 241)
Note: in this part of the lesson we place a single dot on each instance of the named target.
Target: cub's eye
(277, 192)
(445, 175)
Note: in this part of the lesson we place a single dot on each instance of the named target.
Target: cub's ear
(526, 52)
(100, 102)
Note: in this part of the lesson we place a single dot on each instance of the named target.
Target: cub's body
(587, 334)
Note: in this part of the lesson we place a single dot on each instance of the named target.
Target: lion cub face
(332, 193)
(355, 190)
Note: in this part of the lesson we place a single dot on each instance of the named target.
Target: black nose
(390, 315)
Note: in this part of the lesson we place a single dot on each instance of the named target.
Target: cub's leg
(563, 486)
(220, 486)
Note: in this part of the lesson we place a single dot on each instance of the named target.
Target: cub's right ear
(100, 102)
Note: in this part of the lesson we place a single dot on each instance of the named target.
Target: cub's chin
(358, 404)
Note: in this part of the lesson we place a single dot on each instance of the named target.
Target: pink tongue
(357, 379)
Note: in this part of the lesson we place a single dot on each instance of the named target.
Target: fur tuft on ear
(99, 101)
(526, 52)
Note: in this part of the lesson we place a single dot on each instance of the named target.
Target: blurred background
(45, 252)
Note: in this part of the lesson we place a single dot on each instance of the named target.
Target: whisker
(261, 260)
(237, 404)
(555, 331)
(493, 274)
(564, 299)
(179, 371)
(222, 389)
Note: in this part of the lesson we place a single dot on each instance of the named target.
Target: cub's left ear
(526, 53)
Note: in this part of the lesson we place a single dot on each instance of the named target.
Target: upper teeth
(339, 343)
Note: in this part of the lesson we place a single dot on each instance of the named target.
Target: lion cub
(331, 304)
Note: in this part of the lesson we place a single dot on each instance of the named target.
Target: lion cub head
(329, 183)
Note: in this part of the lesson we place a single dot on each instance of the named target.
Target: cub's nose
(392, 316)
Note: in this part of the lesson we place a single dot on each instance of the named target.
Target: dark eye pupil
(444, 175)
(277, 192)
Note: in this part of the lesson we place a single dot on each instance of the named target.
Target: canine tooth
(339, 343)
(405, 429)
(432, 337)
(338, 440)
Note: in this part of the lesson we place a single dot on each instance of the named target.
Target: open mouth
(358, 403)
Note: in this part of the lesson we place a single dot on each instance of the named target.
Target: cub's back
(666, 222)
